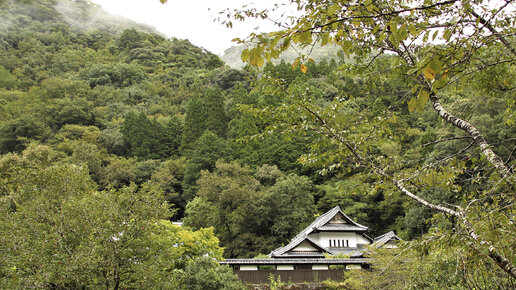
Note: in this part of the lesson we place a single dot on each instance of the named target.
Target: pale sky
(191, 19)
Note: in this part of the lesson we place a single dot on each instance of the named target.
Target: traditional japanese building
(332, 233)
(332, 241)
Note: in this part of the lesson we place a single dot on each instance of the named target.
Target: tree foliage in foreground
(58, 231)
(439, 46)
(435, 263)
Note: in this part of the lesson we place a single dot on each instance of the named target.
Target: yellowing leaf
(260, 61)
(295, 63)
(445, 75)
(255, 57)
(429, 73)
(304, 68)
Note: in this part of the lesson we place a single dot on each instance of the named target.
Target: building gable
(338, 219)
(305, 246)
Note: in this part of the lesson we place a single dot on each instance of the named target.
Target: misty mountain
(82, 15)
(232, 55)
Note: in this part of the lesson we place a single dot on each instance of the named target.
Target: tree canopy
(437, 47)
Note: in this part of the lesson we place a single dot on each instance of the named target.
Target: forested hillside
(232, 55)
(109, 130)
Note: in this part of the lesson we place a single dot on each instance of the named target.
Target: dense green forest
(110, 130)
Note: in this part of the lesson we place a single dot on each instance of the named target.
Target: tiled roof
(294, 243)
(300, 255)
(321, 224)
(380, 240)
(325, 218)
(351, 252)
(340, 227)
(295, 261)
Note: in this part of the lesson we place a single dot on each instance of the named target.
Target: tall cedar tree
(214, 114)
(208, 149)
(194, 124)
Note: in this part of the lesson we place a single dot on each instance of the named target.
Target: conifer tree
(208, 149)
(214, 114)
(194, 125)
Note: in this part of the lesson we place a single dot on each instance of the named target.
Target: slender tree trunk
(492, 157)
(492, 252)
(117, 281)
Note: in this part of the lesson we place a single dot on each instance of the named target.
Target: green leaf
(376, 28)
(447, 34)
(425, 37)
(274, 41)
(412, 70)
(324, 39)
(435, 35)
(245, 55)
(402, 32)
(346, 46)
(332, 9)
(394, 27)
(382, 37)
(422, 99)
(440, 83)
(305, 37)
(412, 29)
(412, 104)
(436, 65)
(286, 44)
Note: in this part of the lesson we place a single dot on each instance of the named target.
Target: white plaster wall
(325, 237)
(319, 267)
(362, 240)
(248, 267)
(315, 237)
(285, 267)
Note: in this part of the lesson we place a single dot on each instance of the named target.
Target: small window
(347, 243)
(330, 243)
(339, 243)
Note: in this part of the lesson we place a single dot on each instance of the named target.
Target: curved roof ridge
(317, 221)
(380, 240)
(294, 243)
